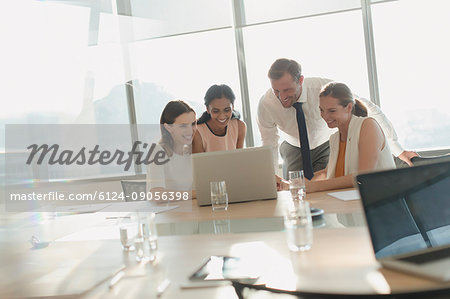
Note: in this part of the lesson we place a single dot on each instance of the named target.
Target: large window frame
(238, 23)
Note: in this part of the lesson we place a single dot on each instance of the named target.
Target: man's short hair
(284, 65)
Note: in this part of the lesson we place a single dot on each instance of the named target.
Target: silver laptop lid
(249, 174)
(407, 210)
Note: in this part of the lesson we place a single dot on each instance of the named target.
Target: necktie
(304, 143)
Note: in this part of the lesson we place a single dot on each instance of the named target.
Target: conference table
(78, 255)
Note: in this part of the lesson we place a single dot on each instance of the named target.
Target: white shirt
(176, 174)
(273, 116)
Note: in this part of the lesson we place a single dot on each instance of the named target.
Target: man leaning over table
(276, 110)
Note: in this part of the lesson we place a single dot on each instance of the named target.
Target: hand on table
(281, 183)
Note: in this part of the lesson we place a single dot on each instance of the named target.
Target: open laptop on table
(408, 216)
(248, 173)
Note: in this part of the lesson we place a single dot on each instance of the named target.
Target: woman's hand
(281, 183)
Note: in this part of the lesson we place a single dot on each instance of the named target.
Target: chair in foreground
(249, 291)
(422, 160)
(132, 190)
(427, 160)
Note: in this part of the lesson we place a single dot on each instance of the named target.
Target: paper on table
(92, 234)
(82, 208)
(346, 195)
(108, 232)
(141, 206)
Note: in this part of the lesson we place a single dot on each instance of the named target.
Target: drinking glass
(297, 184)
(146, 242)
(219, 196)
(298, 226)
(128, 232)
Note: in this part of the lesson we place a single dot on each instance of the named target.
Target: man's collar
(303, 97)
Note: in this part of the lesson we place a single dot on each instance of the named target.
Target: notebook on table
(408, 216)
(248, 173)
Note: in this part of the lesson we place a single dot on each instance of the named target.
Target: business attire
(273, 117)
(351, 157)
(212, 142)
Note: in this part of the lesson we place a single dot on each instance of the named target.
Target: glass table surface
(254, 225)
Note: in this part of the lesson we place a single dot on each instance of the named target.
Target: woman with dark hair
(178, 125)
(359, 145)
(219, 127)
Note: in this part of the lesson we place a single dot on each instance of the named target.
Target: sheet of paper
(79, 209)
(346, 195)
(108, 232)
(141, 206)
(92, 234)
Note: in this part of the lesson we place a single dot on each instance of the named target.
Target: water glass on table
(219, 196)
(146, 242)
(297, 184)
(298, 226)
(128, 232)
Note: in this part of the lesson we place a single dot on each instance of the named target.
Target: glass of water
(128, 232)
(146, 242)
(297, 184)
(219, 196)
(298, 226)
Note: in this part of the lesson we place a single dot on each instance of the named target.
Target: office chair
(427, 160)
(422, 160)
(244, 290)
(132, 190)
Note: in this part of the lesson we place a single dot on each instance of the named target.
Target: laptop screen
(248, 173)
(407, 209)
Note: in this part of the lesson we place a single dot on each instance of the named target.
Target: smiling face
(286, 89)
(183, 128)
(220, 111)
(334, 114)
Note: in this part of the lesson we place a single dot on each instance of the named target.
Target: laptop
(248, 173)
(408, 216)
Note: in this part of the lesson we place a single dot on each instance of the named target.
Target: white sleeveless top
(385, 160)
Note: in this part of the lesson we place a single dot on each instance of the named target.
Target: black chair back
(132, 190)
(428, 160)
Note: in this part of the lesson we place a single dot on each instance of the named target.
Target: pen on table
(162, 287)
(205, 284)
(116, 278)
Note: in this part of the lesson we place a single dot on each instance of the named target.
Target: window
(183, 68)
(412, 62)
(67, 62)
(50, 73)
(155, 18)
(329, 46)
(257, 11)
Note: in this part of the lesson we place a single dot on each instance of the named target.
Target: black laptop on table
(408, 216)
